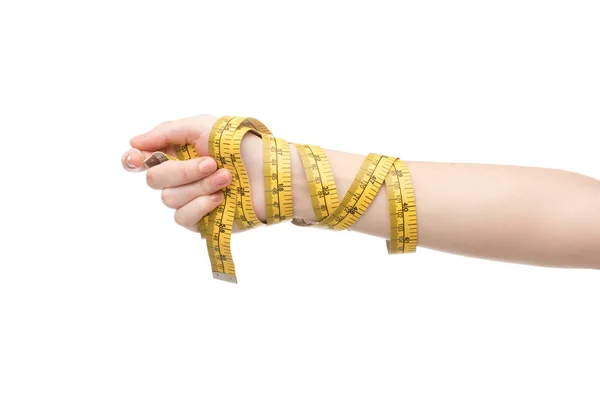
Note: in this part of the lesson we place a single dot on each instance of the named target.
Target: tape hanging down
(224, 145)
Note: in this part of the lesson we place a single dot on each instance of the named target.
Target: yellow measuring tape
(224, 145)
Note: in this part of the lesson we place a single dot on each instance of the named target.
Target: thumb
(133, 160)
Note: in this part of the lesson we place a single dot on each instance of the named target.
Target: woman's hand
(193, 187)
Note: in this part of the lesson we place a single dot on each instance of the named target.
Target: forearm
(515, 214)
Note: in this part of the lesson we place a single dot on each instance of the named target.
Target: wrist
(252, 156)
(251, 150)
(300, 193)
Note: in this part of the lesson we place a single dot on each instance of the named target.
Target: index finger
(192, 130)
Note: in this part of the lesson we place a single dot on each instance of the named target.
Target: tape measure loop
(224, 145)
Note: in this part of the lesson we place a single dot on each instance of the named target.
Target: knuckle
(188, 171)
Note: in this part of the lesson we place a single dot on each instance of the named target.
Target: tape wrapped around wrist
(330, 212)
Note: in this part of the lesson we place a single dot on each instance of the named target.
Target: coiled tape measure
(224, 145)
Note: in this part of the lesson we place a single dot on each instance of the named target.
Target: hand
(193, 187)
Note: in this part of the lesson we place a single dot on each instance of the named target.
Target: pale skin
(523, 215)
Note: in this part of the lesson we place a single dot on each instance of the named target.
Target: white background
(103, 296)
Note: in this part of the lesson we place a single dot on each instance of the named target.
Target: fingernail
(128, 162)
(220, 177)
(138, 136)
(206, 165)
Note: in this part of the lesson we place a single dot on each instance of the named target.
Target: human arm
(508, 213)
(514, 214)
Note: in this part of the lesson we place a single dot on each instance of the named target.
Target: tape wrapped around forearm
(224, 145)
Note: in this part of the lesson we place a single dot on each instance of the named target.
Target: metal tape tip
(224, 277)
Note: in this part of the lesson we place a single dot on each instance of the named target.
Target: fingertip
(132, 161)
(226, 173)
(207, 165)
(216, 197)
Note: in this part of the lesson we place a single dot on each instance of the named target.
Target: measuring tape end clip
(158, 157)
(224, 277)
